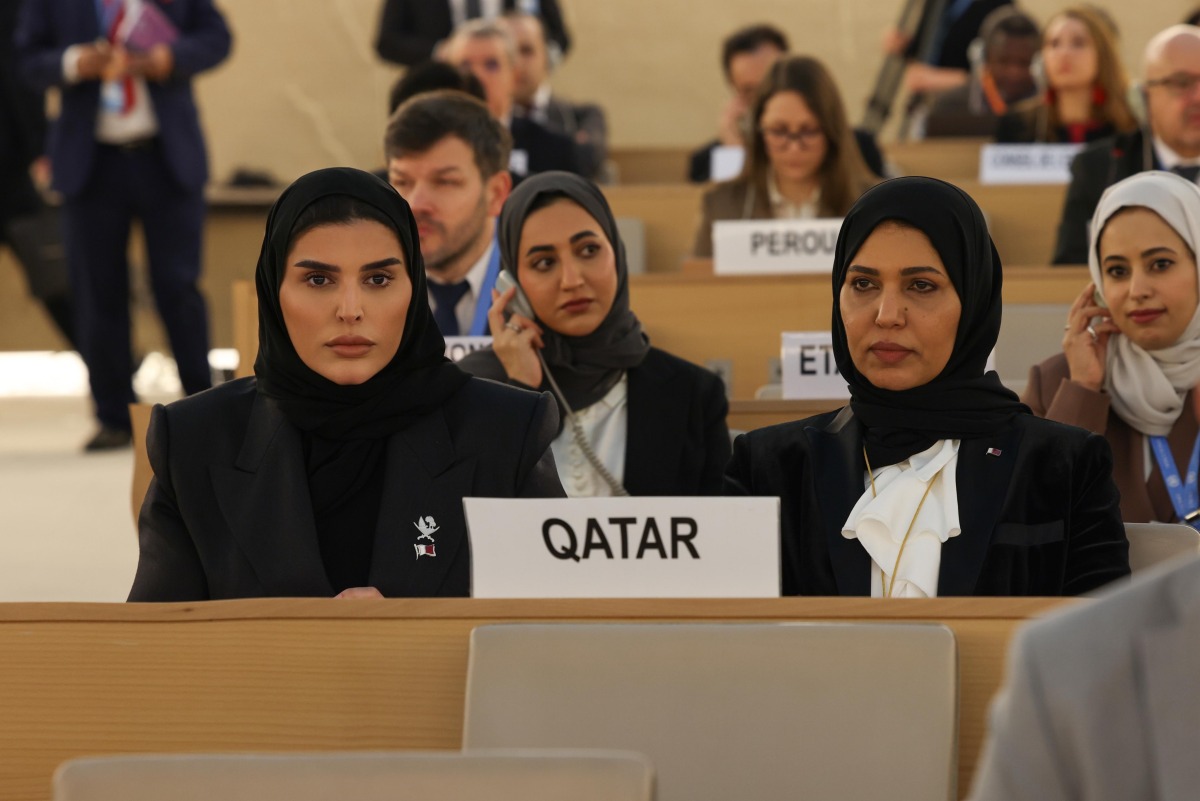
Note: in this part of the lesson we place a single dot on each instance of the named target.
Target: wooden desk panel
(700, 317)
(650, 165)
(951, 159)
(670, 212)
(289, 674)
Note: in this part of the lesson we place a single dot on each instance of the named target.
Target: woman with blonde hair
(802, 160)
(1086, 86)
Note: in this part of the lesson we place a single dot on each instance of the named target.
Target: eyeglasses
(1181, 83)
(777, 138)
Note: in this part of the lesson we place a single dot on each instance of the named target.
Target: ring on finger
(1092, 331)
(511, 326)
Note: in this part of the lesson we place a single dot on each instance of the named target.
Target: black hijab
(417, 380)
(962, 401)
(586, 367)
(344, 428)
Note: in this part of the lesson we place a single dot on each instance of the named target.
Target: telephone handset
(520, 305)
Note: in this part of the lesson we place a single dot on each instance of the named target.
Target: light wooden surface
(651, 165)
(951, 159)
(289, 674)
(139, 415)
(670, 212)
(701, 317)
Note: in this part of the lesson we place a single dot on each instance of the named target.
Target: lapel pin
(428, 527)
(993, 451)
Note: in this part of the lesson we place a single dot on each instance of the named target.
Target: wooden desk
(650, 165)
(670, 212)
(700, 317)
(951, 159)
(291, 675)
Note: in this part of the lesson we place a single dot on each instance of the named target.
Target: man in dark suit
(486, 50)
(410, 30)
(26, 225)
(584, 123)
(128, 144)
(1171, 86)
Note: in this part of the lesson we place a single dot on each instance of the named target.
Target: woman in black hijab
(341, 467)
(637, 420)
(935, 480)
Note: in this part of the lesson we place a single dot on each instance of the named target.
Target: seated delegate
(935, 480)
(636, 419)
(343, 464)
(802, 160)
(1130, 362)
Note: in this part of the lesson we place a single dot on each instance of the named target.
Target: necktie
(474, 9)
(445, 302)
(1191, 172)
(112, 14)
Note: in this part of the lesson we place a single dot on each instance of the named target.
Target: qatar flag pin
(993, 451)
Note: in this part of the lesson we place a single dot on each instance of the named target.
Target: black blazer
(1097, 167)
(676, 442)
(409, 29)
(544, 149)
(1042, 518)
(228, 513)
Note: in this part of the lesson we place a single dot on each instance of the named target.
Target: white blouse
(882, 522)
(605, 424)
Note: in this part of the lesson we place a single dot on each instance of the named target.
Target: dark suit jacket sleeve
(739, 479)
(1097, 549)
(556, 26)
(716, 436)
(869, 149)
(1087, 184)
(204, 41)
(39, 53)
(537, 475)
(169, 568)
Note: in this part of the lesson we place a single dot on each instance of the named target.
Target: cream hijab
(1147, 387)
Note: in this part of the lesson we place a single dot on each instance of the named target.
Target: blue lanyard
(1185, 495)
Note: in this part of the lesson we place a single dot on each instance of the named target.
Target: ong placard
(624, 547)
(458, 347)
(774, 247)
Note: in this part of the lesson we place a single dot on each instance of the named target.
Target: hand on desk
(356, 593)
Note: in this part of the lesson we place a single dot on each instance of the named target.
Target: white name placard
(774, 247)
(457, 347)
(809, 369)
(624, 547)
(1026, 164)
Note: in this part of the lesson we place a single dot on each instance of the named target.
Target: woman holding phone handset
(636, 420)
(1131, 352)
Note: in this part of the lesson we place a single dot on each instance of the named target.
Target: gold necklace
(889, 586)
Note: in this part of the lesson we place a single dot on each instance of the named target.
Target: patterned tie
(445, 302)
(1190, 172)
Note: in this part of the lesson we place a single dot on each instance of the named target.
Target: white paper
(726, 162)
(809, 369)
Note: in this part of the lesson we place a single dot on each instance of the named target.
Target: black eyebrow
(1159, 249)
(550, 248)
(584, 235)
(858, 268)
(313, 264)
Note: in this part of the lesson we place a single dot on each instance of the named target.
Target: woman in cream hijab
(1131, 352)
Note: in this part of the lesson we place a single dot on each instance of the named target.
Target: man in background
(1171, 86)
(485, 49)
(447, 156)
(535, 99)
(411, 30)
(127, 144)
(1001, 75)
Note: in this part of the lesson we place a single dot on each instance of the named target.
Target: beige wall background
(304, 88)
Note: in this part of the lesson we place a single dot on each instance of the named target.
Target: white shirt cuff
(70, 63)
